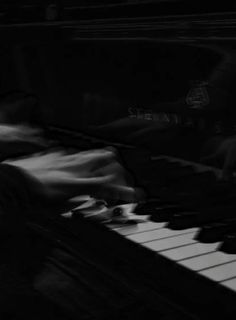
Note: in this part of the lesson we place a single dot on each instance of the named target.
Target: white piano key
(140, 227)
(208, 260)
(189, 251)
(231, 284)
(172, 242)
(220, 273)
(157, 234)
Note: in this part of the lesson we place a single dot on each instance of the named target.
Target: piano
(156, 81)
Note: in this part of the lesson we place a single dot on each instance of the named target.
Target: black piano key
(149, 206)
(221, 193)
(199, 218)
(163, 214)
(215, 232)
(193, 189)
(183, 220)
(184, 182)
(229, 244)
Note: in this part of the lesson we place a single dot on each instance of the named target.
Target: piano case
(47, 271)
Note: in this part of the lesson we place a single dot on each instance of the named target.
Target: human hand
(16, 134)
(62, 176)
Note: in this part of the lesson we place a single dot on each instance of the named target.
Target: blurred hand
(225, 154)
(20, 133)
(96, 172)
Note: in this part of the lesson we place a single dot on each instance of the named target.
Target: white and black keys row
(181, 247)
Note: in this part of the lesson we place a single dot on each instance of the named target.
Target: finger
(119, 193)
(87, 160)
(39, 162)
(114, 151)
(120, 174)
(106, 152)
(117, 156)
(63, 187)
(114, 169)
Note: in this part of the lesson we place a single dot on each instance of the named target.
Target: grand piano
(155, 80)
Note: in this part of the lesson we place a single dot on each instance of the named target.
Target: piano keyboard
(200, 269)
(181, 246)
